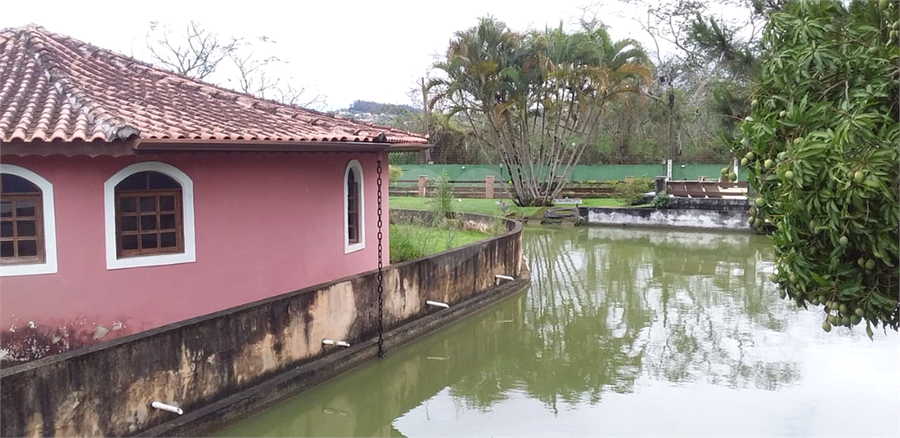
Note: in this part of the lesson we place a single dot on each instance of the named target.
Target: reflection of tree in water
(582, 336)
(577, 341)
(489, 382)
(719, 309)
(608, 306)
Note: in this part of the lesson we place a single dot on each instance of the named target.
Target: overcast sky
(347, 50)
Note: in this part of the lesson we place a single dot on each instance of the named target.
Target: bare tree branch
(198, 53)
(195, 54)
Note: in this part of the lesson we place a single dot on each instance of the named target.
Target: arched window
(352, 207)
(27, 225)
(149, 216)
(21, 221)
(354, 212)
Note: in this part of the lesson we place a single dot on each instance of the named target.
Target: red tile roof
(53, 87)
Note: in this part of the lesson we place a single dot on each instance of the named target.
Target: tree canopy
(822, 151)
(536, 98)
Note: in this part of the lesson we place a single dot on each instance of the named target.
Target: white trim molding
(49, 265)
(187, 209)
(353, 247)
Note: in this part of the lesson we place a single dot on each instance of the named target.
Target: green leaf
(818, 278)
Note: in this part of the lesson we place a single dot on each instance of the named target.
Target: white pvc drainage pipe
(437, 304)
(337, 343)
(167, 408)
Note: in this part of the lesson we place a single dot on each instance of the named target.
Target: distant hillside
(387, 114)
(365, 106)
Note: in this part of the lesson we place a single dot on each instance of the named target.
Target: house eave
(165, 145)
(135, 146)
(409, 147)
(117, 148)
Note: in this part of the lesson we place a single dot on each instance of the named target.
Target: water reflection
(612, 304)
(617, 323)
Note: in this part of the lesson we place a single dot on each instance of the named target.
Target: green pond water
(622, 332)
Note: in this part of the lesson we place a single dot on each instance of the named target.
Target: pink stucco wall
(266, 224)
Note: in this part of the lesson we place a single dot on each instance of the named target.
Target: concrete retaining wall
(682, 218)
(220, 366)
(415, 376)
(741, 205)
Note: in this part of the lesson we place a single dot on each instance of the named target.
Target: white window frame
(49, 265)
(353, 247)
(187, 209)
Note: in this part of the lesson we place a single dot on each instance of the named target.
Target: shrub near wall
(633, 190)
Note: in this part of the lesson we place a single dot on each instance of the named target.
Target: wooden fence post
(489, 187)
(423, 183)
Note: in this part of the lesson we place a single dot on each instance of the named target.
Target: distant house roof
(56, 91)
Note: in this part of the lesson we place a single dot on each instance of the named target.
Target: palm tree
(625, 59)
(536, 98)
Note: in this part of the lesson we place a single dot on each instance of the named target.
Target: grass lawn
(413, 241)
(489, 206)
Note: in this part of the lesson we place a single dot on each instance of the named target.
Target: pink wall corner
(266, 224)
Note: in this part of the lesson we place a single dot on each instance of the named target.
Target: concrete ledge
(676, 218)
(293, 382)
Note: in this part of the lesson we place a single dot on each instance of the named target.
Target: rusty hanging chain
(380, 268)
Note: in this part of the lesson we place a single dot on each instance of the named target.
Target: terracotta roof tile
(53, 87)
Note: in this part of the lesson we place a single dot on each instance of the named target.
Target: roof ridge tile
(106, 123)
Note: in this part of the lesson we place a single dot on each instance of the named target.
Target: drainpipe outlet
(336, 343)
(437, 304)
(166, 407)
(503, 277)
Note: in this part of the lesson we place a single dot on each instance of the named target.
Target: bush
(394, 173)
(442, 197)
(633, 190)
(660, 201)
(403, 246)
